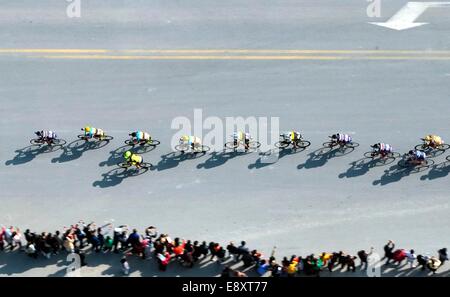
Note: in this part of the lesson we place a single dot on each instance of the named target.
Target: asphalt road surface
(316, 65)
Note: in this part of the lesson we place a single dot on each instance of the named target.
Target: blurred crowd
(88, 238)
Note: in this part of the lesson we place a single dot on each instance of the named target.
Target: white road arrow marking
(405, 17)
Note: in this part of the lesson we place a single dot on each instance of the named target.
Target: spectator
(433, 264)
(411, 258)
(364, 257)
(233, 251)
(443, 255)
(388, 251)
(125, 265)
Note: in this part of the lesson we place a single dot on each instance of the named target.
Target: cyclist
(141, 137)
(91, 132)
(292, 137)
(46, 136)
(243, 137)
(433, 140)
(416, 157)
(340, 138)
(383, 149)
(193, 142)
(133, 159)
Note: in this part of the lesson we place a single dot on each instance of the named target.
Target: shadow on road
(219, 158)
(437, 171)
(363, 165)
(321, 156)
(28, 153)
(173, 159)
(116, 176)
(272, 156)
(76, 148)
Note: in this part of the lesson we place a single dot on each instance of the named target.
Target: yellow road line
(194, 57)
(219, 51)
(239, 57)
(50, 51)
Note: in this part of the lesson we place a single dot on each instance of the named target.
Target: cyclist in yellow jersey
(133, 159)
(433, 140)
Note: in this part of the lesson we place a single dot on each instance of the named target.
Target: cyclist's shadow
(25, 155)
(219, 158)
(173, 159)
(358, 168)
(272, 156)
(321, 156)
(116, 176)
(76, 148)
(437, 171)
(394, 174)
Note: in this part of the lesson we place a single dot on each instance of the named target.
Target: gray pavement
(298, 203)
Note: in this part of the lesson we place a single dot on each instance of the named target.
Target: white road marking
(405, 17)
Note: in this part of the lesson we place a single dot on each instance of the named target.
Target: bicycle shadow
(358, 168)
(219, 158)
(25, 155)
(437, 171)
(173, 159)
(116, 176)
(272, 156)
(394, 174)
(77, 148)
(116, 156)
(321, 156)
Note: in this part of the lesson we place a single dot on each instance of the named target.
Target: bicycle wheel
(181, 147)
(253, 145)
(304, 143)
(36, 141)
(59, 142)
(146, 165)
(329, 144)
(131, 142)
(124, 164)
(370, 155)
(394, 155)
(204, 149)
(106, 138)
(154, 142)
(232, 145)
(421, 147)
(282, 144)
(444, 147)
(352, 144)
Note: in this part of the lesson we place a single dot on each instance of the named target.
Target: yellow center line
(226, 54)
(239, 57)
(219, 51)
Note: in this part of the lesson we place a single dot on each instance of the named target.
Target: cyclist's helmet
(87, 129)
(411, 152)
(127, 155)
(38, 133)
(184, 138)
